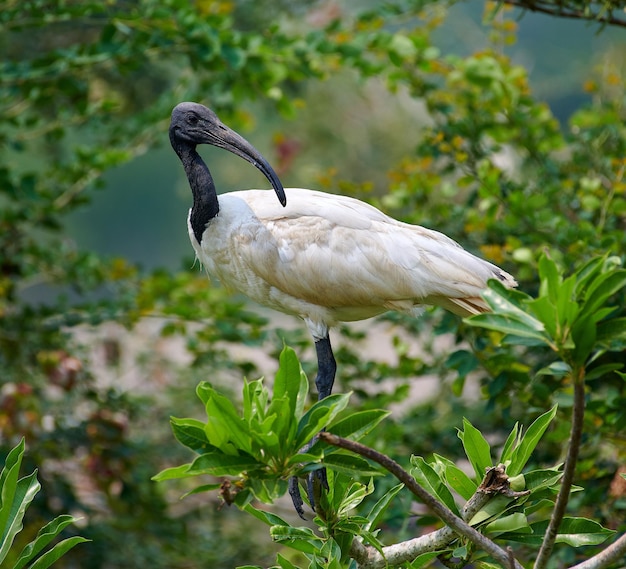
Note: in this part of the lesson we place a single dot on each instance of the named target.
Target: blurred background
(504, 129)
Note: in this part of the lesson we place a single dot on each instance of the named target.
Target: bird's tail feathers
(466, 306)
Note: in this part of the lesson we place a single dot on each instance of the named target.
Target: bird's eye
(192, 119)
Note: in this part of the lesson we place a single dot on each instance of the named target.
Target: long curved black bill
(229, 140)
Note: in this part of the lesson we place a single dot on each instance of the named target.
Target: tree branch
(561, 10)
(452, 520)
(569, 469)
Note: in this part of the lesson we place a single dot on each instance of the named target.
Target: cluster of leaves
(264, 444)
(573, 317)
(16, 495)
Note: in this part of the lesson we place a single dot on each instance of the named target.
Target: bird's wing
(336, 251)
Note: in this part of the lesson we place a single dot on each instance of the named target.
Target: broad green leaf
(602, 370)
(266, 517)
(612, 330)
(191, 433)
(499, 299)
(203, 488)
(357, 425)
(576, 532)
(511, 443)
(426, 476)
(284, 562)
(319, 415)
(376, 513)
(225, 429)
(8, 485)
(584, 337)
(601, 289)
(172, 473)
(220, 464)
(24, 493)
(529, 441)
(546, 313)
(460, 482)
(424, 559)
(351, 465)
(542, 478)
(291, 382)
(516, 522)
(476, 448)
(493, 509)
(45, 535)
(53, 555)
(302, 539)
(507, 325)
(550, 278)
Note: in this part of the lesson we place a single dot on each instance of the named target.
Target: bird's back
(338, 256)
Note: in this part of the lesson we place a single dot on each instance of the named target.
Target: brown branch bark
(561, 11)
(569, 469)
(445, 514)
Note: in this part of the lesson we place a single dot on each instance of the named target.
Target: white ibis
(323, 257)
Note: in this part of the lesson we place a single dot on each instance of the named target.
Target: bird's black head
(194, 124)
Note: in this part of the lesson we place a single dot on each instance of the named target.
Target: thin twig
(565, 12)
(569, 469)
(455, 522)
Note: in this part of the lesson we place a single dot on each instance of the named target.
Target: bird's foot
(316, 482)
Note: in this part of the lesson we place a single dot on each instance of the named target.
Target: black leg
(326, 368)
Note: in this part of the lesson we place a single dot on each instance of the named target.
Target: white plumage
(331, 258)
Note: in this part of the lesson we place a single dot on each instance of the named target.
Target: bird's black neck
(205, 205)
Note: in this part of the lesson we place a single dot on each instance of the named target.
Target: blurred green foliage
(86, 87)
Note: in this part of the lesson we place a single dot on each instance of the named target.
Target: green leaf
(432, 483)
(357, 425)
(220, 464)
(584, 337)
(521, 453)
(506, 325)
(602, 288)
(45, 535)
(284, 562)
(319, 415)
(173, 473)
(23, 494)
(424, 559)
(301, 539)
(266, 517)
(492, 510)
(460, 482)
(512, 441)
(516, 522)
(376, 513)
(550, 279)
(8, 485)
(575, 532)
(191, 433)
(612, 330)
(291, 382)
(476, 448)
(53, 555)
(351, 465)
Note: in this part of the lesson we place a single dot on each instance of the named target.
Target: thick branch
(563, 11)
(569, 470)
(398, 553)
(614, 552)
(445, 514)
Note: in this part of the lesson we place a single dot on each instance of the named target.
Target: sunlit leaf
(476, 448)
(521, 454)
